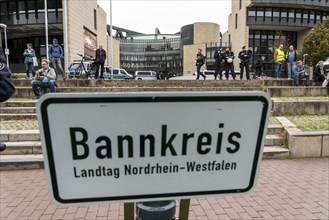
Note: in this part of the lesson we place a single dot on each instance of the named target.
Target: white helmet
(229, 60)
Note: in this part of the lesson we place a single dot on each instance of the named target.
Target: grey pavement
(286, 189)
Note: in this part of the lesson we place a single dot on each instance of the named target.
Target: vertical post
(184, 209)
(129, 212)
(46, 28)
(6, 45)
(111, 38)
(66, 44)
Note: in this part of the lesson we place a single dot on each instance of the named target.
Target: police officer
(200, 60)
(218, 56)
(244, 57)
(229, 57)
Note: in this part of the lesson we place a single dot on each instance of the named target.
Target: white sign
(7, 51)
(125, 147)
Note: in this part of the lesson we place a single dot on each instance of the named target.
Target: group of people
(297, 70)
(223, 58)
(46, 76)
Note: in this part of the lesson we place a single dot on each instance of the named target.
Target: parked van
(117, 73)
(146, 75)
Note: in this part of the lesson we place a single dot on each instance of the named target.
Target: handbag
(35, 61)
(325, 83)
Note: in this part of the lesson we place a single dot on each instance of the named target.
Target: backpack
(7, 87)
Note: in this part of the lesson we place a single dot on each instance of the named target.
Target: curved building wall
(187, 34)
(205, 32)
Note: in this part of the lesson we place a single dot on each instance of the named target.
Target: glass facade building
(161, 53)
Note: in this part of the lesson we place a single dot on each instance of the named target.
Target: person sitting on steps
(45, 78)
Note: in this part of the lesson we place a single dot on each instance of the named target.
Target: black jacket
(218, 56)
(100, 58)
(244, 56)
(200, 59)
(7, 88)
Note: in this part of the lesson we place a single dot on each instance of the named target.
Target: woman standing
(29, 53)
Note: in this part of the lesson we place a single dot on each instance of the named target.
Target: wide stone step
(15, 162)
(275, 152)
(285, 108)
(274, 140)
(17, 110)
(22, 148)
(18, 116)
(275, 129)
(18, 104)
(144, 83)
(23, 92)
(297, 91)
(19, 135)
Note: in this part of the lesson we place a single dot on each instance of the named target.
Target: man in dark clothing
(200, 60)
(228, 57)
(100, 60)
(259, 67)
(218, 63)
(244, 57)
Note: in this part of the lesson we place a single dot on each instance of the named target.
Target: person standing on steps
(55, 53)
(29, 53)
(100, 58)
(244, 57)
(291, 58)
(218, 56)
(279, 60)
(229, 57)
(200, 60)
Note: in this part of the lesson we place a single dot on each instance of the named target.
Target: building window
(236, 20)
(95, 19)
(240, 4)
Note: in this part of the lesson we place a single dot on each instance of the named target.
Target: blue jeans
(37, 83)
(298, 77)
(291, 66)
(278, 69)
(29, 66)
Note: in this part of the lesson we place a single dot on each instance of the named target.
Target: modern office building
(262, 25)
(80, 26)
(167, 53)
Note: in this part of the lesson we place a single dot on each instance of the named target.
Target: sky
(168, 16)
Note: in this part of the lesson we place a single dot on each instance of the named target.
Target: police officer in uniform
(244, 56)
(228, 57)
(200, 60)
(218, 56)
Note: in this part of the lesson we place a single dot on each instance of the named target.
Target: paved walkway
(286, 189)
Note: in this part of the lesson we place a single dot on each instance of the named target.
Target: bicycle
(81, 68)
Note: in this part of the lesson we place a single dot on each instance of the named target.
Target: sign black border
(123, 99)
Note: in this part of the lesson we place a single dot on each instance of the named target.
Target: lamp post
(46, 28)
(111, 37)
(6, 49)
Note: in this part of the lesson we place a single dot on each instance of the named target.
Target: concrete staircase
(24, 147)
